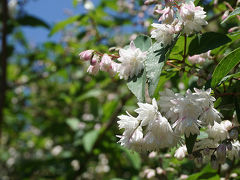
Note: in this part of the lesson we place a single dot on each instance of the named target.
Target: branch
(3, 77)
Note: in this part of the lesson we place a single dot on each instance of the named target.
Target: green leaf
(28, 20)
(73, 123)
(156, 57)
(108, 109)
(232, 14)
(206, 173)
(134, 158)
(190, 141)
(89, 140)
(137, 83)
(236, 75)
(75, 2)
(137, 86)
(225, 66)
(196, 2)
(207, 41)
(61, 25)
(143, 42)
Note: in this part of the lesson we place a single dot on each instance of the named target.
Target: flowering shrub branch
(176, 44)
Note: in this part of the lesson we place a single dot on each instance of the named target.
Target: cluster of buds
(98, 62)
(128, 63)
(176, 17)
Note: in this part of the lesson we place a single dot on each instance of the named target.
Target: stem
(3, 77)
(185, 47)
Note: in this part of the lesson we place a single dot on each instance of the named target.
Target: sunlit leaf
(225, 66)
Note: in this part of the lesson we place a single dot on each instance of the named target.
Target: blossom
(93, 69)
(163, 33)
(131, 61)
(160, 134)
(147, 112)
(181, 152)
(199, 58)
(107, 64)
(86, 55)
(192, 17)
(167, 16)
(209, 114)
(132, 136)
(219, 132)
(188, 113)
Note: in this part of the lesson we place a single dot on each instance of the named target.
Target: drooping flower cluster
(148, 131)
(130, 62)
(174, 18)
(187, 113)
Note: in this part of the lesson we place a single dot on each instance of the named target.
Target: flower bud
(233, 134)
(221, 153)
(86, 55)
(214, 162)
(93, 61)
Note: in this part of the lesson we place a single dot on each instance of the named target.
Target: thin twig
(3, 77)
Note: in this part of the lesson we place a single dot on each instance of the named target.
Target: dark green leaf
(207, 41)
(89, 140)
(28, 20)
(225, 66)
(137, 86)
(190, 141)
(156, 57)
(196, 2)
(232, 14)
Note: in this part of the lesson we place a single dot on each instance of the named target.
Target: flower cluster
(162, 124)
(174, 18)
(148, 131)
(130, 62)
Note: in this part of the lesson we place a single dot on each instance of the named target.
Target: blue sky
(51, 11)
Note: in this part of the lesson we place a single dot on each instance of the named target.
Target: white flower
(209, 114)
(219, 132)
(181, 152)
(107, 64)
(235, 152)
(93, 69)
(163, 33)
(12, 6)
(167, 15)
(168, 101)
(147, 112)
(160, 134)
(149, 173)
(199, 58)
(131, 61)
(132, 137)
(192, 17)
(188, 114)
(88, 5)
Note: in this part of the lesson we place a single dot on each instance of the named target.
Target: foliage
(60, 121)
